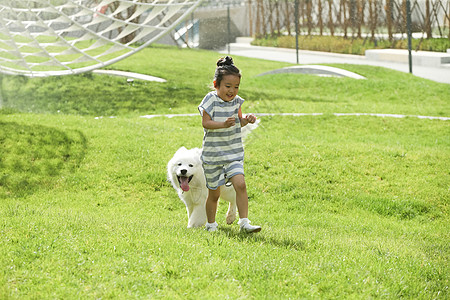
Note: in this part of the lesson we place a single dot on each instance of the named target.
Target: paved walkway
(439, 74)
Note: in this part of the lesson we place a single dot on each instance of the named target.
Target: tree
(428, 19)
(330, 17)
(287, 19)
(373, 17)
(320, 21)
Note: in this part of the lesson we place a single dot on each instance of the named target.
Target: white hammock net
(60, 37)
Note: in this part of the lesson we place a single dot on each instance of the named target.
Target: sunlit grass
(351, 207)
(350, 45)
(384, 91)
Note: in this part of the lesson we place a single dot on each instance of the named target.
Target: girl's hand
(229, 122)
(251, 118)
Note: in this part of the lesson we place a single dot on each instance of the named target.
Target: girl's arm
(250, 118)
(208, 123)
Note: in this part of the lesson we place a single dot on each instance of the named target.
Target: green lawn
(351, 207)
(351, 45)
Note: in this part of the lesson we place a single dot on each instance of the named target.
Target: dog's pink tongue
(184, 183)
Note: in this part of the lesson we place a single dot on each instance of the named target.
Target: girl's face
(229, 87)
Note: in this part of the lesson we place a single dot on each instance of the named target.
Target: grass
(351, 207)
(350, 45)
(385, 91)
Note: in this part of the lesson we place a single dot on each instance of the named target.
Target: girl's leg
(238, 182)
(211, 204)
(242, 204)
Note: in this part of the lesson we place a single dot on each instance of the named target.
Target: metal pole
(229, 28)
(250, 17)
(296, 28)
(408, 25)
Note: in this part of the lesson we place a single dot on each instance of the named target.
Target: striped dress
(224, 145)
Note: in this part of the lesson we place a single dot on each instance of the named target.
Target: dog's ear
(181, 149)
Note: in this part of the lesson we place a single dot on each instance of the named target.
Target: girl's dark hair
(225, 67)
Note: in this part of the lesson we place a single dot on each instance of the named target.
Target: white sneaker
(246, 227)
(211, 226)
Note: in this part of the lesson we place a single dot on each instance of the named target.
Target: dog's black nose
(183, 172)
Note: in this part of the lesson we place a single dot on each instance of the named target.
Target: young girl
(223, 153)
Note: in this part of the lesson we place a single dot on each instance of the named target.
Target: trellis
(58, 37)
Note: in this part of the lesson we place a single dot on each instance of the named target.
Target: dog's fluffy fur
(185, 173)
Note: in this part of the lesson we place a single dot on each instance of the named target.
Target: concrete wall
(214, 33)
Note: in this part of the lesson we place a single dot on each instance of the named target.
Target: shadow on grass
(261, 239)
(31, 157)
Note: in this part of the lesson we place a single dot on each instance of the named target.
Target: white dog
(185, 172)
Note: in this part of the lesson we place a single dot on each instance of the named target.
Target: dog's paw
(231, 217)
(196, 223)
(231, 213)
